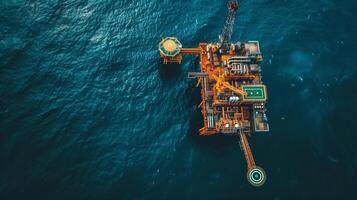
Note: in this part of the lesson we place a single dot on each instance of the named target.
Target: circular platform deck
(256, 176)
(170, 47)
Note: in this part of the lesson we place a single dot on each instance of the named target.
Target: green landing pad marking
(254, 92)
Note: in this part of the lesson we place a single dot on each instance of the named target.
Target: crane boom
(234, 89)
(227, 30)
(221, 84)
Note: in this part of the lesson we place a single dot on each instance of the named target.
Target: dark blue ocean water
(87, 111)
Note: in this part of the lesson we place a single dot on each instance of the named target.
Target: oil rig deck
(232, 92)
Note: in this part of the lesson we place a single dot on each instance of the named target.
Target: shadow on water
(215, 23)
(169, 72)
(214, 141)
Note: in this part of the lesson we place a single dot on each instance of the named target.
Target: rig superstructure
(232, 92)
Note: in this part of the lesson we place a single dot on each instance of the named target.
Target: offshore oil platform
(232, 92)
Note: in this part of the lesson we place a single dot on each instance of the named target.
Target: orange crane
(221, 84)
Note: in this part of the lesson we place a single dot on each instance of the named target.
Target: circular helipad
(170, 47)
(256, 176)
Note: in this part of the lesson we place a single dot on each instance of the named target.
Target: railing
(191, 50)
(247, 151)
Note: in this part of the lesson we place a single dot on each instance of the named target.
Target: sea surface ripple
(87, 110)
